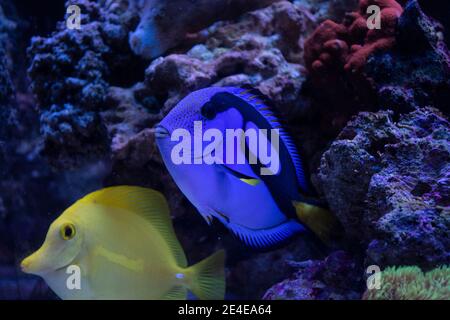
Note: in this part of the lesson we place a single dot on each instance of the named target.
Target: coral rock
(158, 31)
(388, 184)
(338, 277)
(68, 134)
(336, 57)
(417, 72)
(263, 48)
(335, 46)
(77, 68)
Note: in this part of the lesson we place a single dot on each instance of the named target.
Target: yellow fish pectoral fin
(321, 221)
(207, 278)
(148, 204)
(176, 293)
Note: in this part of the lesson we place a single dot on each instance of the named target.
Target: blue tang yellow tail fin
(319, 220)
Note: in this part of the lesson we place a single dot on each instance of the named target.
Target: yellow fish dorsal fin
(147, 203)
(321, 221)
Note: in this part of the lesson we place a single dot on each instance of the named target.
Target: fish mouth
(161, 132)
(35, 264)
(30, 266)
(25, 266)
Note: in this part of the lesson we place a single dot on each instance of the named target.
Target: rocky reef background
(368, 110)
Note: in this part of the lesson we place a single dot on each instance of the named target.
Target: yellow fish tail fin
(321, 221)
(177, 293)
(208, 277)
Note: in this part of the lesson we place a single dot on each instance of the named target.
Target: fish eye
(208, 111)
(67, 231)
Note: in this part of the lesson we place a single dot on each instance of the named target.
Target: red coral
(335, 47)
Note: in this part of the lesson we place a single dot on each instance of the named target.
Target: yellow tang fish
(123, 244)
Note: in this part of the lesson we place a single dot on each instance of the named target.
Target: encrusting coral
(410, 283)
(333, 46)
(336, 56)
(76, 68)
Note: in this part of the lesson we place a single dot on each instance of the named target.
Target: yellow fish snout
(25, 265)
(33, 264)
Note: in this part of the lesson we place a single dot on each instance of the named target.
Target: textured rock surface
(6, 85)
(6, 93)
(378, 72)
(338, 277)
(388, 183)
(7, 27)
(77, 68)
(158, 31)
(263, 49)
(68, 131)
(324, 9)
(417, 72)
(83, 68)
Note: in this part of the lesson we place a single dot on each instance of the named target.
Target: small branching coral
(410, 283)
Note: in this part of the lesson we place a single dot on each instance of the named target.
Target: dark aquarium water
(227, 149)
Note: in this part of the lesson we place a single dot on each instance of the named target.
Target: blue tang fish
(262, 208)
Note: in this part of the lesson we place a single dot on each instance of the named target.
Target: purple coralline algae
(334, 278)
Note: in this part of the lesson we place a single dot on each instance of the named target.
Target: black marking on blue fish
(263, 105)
(237, 174)
(282, 186)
